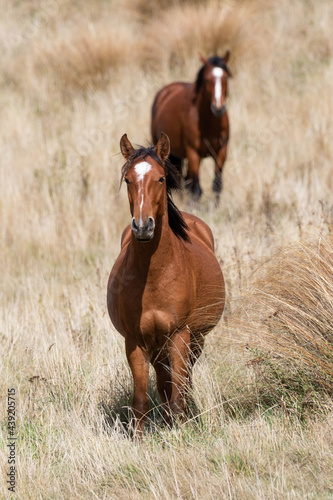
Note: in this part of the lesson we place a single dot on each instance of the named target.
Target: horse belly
(210, 301)
(210, 297)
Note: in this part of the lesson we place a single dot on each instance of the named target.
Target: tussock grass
(285, 319)
(181, 33)
(87, 60)
(145, 10)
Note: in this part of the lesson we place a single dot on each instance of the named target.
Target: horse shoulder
(117, 281)
(199, 229)
(125, 237)
(177, 96)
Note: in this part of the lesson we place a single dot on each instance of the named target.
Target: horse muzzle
(143, 230)
(218, 111)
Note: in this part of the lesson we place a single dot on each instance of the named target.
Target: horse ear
(162, 148)
(226, 56)
(203, 59)
(126, 147)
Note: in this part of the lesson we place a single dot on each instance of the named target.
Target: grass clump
(289, 327)
(184, 32)
(86, 60)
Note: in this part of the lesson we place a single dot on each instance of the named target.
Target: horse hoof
(196, 192)
(217, 185)
(194, 189)
(197, 196)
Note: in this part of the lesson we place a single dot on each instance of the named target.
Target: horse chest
(206, 135)
(155, 327)
(150, 326)
(210, 145)
(152, 311)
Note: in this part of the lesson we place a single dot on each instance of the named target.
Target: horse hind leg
(177, 162)
(192, 179)
(197, 345)
(217, 187)
(218, 182)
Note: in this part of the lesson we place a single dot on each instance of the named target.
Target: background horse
(194, 117)
(166, 288)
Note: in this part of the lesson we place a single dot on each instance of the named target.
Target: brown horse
(166, 288)
(194, 117)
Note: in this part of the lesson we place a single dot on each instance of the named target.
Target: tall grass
(285, 320)
(88, 59)
(179, 34)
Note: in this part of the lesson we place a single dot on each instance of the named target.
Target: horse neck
(203, 103)
(159, 249)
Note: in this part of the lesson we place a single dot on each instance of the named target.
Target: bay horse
(194, 116)
(166, 289)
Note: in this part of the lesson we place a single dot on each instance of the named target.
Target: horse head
(212, 81)
(145, 176)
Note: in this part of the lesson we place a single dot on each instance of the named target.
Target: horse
(194, 116)
(166, 289)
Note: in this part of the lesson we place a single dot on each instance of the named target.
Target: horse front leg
(219, 163)
(161, 365)
(192, 179)
(139, 364)
(179, 356)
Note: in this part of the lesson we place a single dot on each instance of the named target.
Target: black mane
(215, 61)
(176, 220)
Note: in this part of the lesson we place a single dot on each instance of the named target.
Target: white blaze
(218, 73)
(141, 169)
(141, 205)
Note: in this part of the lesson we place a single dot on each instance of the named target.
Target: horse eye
(161, 180)
(126, 180)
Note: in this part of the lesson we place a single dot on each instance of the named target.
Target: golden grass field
(75, 76)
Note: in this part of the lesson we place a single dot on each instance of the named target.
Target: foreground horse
(194, 117)
(166, 289)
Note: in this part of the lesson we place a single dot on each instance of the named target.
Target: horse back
(170, 110)
(199, 229)
(171, 95)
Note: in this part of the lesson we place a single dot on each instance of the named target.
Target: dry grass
(87, 60)
(293, 300)
(146, 10)
(260, 426)
(285, 320)
(175, 38)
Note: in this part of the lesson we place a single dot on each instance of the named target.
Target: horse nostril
(151, 223)
(134, 225)
(218, 111)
